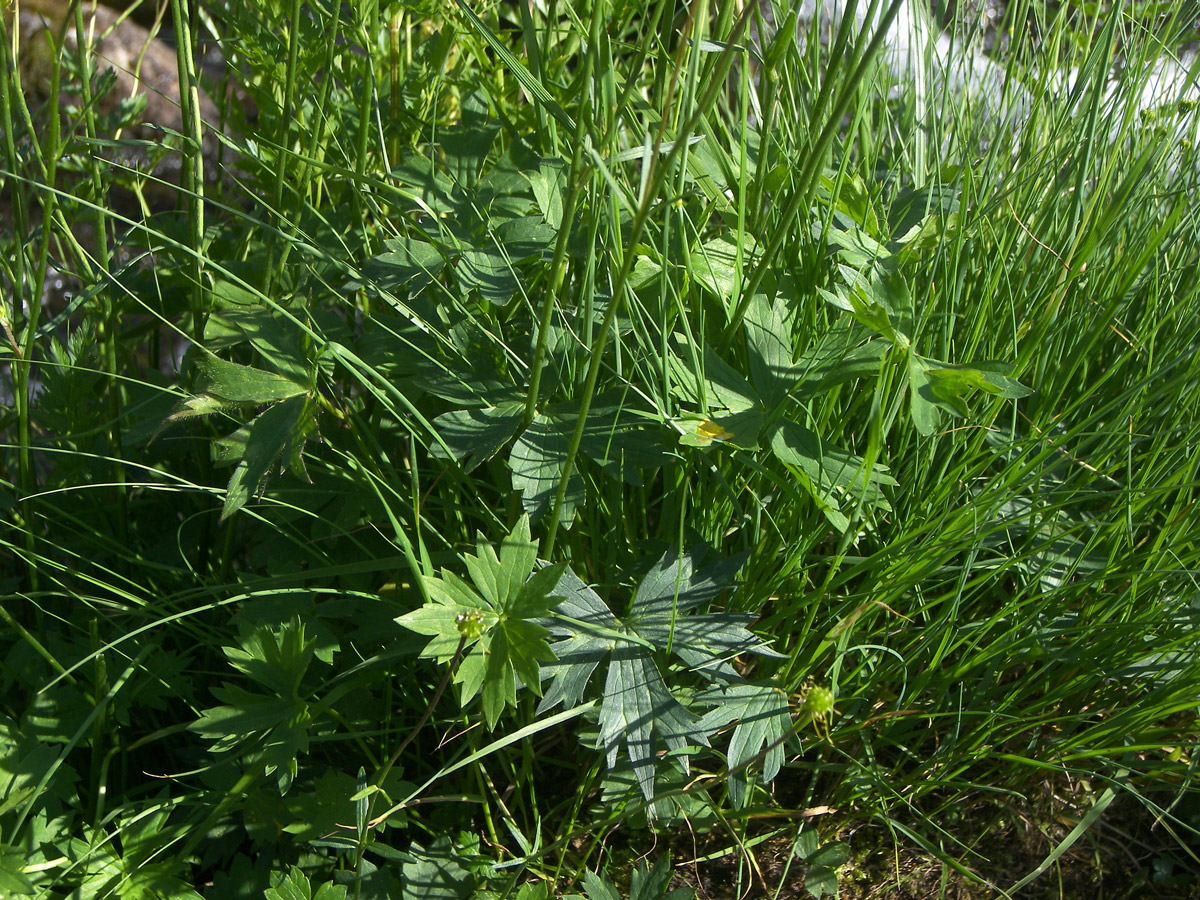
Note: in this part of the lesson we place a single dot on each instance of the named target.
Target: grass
(824, 397)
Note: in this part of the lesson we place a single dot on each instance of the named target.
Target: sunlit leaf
(637, 708)
(505, 607)
(763, 721)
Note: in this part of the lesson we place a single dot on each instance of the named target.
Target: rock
(143, 66)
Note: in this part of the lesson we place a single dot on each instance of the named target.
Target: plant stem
(658, 173)
(192, 173)
(433, 702)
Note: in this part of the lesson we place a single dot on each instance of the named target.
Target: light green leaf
(524, 239)
(598, 886)
(769, 341)
(468, 142)
(548, 184)
(292, 886)
(13, 881)
(714, 266)
(921, 399)
(507, 605)
(854, 202)
(721, 386)
(825, 368)
(741, 430)
(279, 342)
(830, 471)
(200, 405)
(241, 384)
(764, 720)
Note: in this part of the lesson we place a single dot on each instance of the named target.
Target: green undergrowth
(539, 431)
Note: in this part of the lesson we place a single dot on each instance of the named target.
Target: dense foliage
(535, 432)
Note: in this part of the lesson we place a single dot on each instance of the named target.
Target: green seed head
(470, 624)
(819, 702)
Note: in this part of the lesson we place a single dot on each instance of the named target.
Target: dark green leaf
(468, 143)
(275, 657)
(649, 882)
(527, 79)
(637, 708)
(264, 730)
(257, 445)
(638, 711)
(830, 470)
(435, 874)
(821, 877)
(407, 262)
(619, 439)
(524, 239)
(487, 272)
(474, 436)
(537, 460)
(268, 729)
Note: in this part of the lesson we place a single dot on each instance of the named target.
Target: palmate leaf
(493, 623)
(295, 886)
(748, 415)
(475, 435)
(934, 385)
(764, 721)
(269, 730)
(13, 881)
(637, 707)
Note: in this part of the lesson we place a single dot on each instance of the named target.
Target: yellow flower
(709, 431)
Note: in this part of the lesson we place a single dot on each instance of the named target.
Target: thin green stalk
(648, 201)
(283, 143)
(29, 293)
(368, 26)
(395, 21)
(558, 266)
(310, 161)
(109, 326)
(801, 198)
(387, 767)
(192, 173)
(558, 269)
